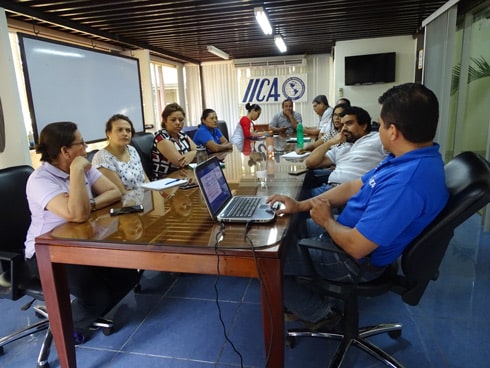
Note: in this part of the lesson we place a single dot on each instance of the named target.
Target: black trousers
(96, 290)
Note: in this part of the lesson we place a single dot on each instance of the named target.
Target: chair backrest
(468, 181)
(15, 216)
(224, 129)
(190, 131)
(91, 154)
(143, 142)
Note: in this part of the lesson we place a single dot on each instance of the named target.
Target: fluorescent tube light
(281, 45)
(263, 21)
(218, 52)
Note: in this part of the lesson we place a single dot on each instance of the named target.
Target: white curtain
(220, 89)
(440, 30)
(193, 94)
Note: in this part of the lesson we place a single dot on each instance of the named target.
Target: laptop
(221, 204)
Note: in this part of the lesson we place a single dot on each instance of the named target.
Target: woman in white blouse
(119, 161)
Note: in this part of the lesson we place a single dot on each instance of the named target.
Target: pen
(172, 181)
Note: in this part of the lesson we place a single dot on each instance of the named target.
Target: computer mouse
(276, 205)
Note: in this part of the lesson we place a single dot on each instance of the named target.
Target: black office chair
(91, 154)
(143, 142)
(223, 128)
(15, 219)
(190, 131)
(468, 180)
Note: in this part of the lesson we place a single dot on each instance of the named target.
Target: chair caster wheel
(290, 342)
(42, 365)
(137, 289)
(105, 325)
(395, 334)
(40, 311)
(39, 315)
(107, 331)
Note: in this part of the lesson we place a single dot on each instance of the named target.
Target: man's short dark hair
(413, 109)
(287, 100)
(321, 99)
(363, 117)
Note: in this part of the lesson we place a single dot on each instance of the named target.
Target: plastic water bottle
(201, 155)
(269, 143)
(300, 135)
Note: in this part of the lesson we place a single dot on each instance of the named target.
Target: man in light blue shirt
(285, 122)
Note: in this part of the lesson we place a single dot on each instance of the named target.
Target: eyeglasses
(82, 143)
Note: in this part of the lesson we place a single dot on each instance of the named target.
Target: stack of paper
(293, 156)
(163, 183)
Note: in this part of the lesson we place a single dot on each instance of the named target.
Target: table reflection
(180, 217)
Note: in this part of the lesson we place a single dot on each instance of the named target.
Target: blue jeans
(319, 190)
(298, 297)
(315, 182)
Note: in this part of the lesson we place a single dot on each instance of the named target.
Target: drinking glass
(261, 173)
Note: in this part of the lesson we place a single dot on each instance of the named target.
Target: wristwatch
(92, 205)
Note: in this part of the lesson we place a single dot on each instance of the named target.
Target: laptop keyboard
(242, 207)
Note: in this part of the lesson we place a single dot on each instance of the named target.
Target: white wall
(366, 96)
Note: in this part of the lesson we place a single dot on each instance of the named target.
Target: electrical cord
(218, 239)
(219, 236)
(266, 294)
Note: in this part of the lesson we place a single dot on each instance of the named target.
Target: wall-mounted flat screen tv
(66, 82)
(369, 69)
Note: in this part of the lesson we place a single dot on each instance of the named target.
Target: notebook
(221, 203)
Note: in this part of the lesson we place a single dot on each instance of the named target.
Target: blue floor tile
(174, 322)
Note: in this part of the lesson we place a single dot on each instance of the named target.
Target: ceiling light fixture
(218, 52)
(281, 45)
(263, 21)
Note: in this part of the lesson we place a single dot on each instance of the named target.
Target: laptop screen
(213, 184)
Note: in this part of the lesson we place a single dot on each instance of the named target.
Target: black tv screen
(368, 69)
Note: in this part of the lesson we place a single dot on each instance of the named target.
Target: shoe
(79, 338)
(328, 323)
(5, 280)
(290, 317)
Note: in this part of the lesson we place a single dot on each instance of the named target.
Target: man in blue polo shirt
(384, 210)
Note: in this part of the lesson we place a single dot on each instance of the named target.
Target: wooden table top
(179, 218)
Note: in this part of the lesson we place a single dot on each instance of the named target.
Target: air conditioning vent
(264, 62)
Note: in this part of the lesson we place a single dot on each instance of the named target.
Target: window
(164, 84)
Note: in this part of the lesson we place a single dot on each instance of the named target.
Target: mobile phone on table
(127, 209)
(188, 185)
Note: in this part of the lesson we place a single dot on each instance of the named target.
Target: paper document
(163, 183)
(295, 156)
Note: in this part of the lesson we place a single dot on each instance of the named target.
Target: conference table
(175, 233)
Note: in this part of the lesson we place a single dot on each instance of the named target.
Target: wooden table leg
(270, 274)
(57, 298)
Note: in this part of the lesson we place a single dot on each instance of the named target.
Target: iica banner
(272, 89)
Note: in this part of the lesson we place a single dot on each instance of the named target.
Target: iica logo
(293, 88)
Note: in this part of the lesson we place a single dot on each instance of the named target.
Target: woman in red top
(245, 129)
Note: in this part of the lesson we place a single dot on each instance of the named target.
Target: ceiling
(182, 29)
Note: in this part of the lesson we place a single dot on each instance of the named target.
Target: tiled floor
(175, 322)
